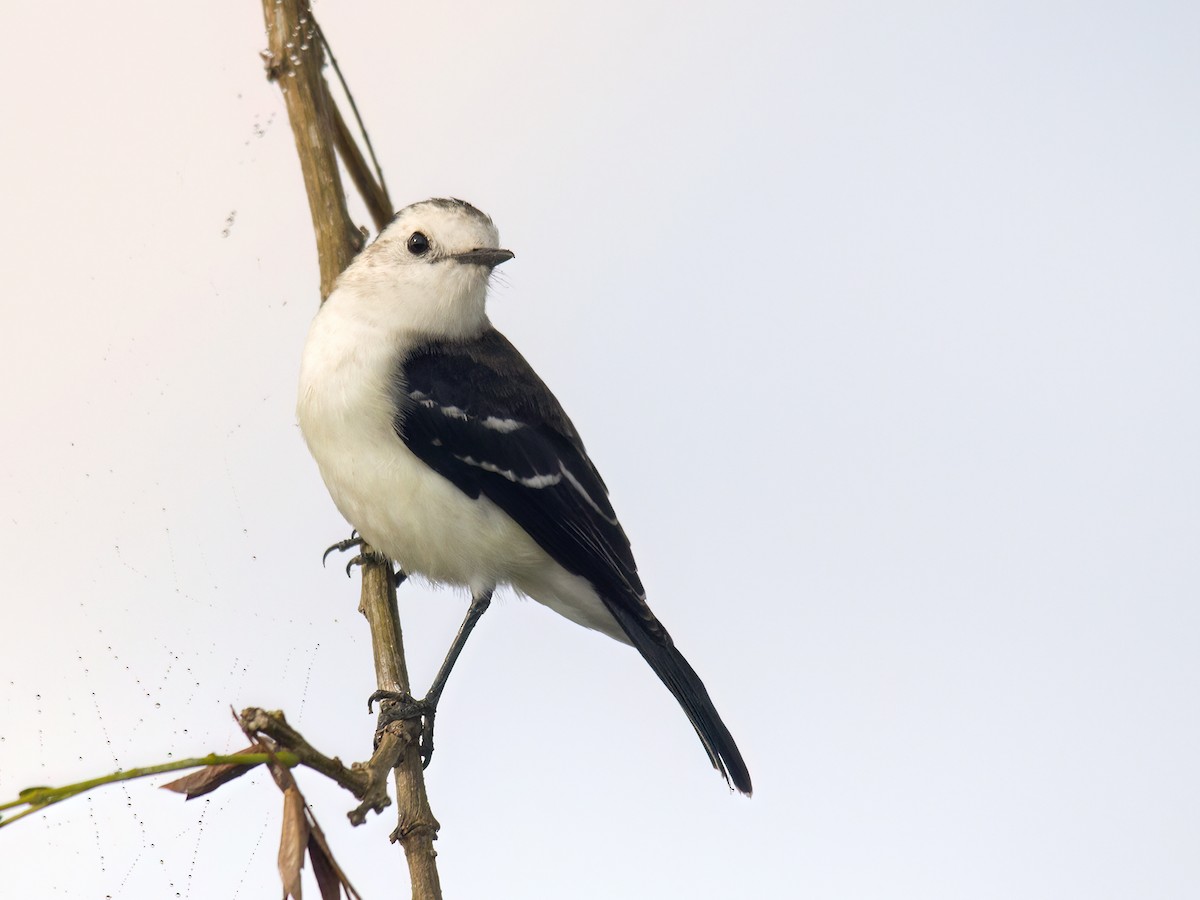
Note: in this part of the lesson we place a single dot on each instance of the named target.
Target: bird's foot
(355, 540)
(397, 706)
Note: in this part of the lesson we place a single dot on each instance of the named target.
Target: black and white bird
(445, 451)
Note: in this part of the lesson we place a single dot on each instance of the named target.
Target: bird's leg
(475, 611)
(402, 706)
(355, 540)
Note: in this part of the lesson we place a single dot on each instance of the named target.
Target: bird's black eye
(418, 244)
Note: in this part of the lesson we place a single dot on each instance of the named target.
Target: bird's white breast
(346, 410)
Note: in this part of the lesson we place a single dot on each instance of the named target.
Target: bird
(447, 453)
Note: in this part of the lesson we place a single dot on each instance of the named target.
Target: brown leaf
(208, 779)
(292, 841)
(318, 847)
(323, 868)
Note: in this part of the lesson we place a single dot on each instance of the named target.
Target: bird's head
(428, 270)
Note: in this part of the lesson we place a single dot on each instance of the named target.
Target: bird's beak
(484, 256)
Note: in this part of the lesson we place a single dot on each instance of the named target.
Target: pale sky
(881, 321)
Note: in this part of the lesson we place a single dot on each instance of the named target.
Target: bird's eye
(418, 244)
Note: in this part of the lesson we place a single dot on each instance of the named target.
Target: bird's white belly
(420, 519)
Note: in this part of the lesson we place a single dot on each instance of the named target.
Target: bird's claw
(355, 540)
(362, 559)
(342, 546)
(397, 706)
(375, 556)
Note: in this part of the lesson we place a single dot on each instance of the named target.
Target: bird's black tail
(682, 681)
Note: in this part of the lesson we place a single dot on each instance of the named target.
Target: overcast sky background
(881, 321)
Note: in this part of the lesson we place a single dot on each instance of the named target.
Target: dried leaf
(323, 868)
(292, 841)
(208, 779)
(318, 846)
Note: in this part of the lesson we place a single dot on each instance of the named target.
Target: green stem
(40, 797)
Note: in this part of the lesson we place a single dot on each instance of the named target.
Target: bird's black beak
(484, 256)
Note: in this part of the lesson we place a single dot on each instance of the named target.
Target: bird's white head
(427, 272)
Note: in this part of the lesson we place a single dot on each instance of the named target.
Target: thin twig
(354, 109)
(373, 193)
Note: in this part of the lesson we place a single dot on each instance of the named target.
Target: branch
(366, 781)
(417, 828)
(294, 61)
(314, 120)
(257, 722)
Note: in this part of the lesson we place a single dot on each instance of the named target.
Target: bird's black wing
(476, 413)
